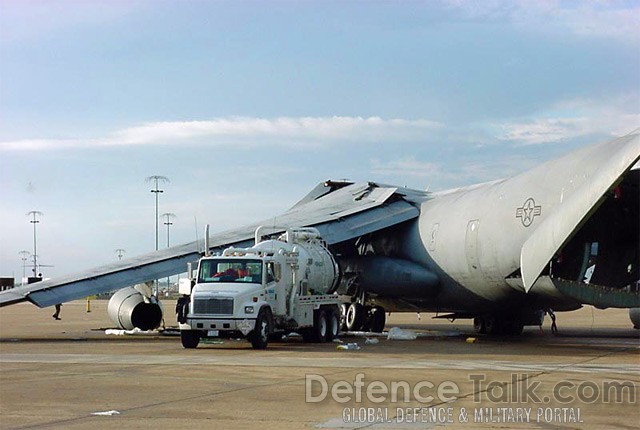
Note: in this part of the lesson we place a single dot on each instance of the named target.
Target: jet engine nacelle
(634, 315)
(133, 307)
(391, 277)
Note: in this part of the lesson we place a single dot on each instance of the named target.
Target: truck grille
(222, 306)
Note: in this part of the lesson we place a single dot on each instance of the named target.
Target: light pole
(156, 179)
(24, 256)
(167, 221)
(35, 221)
(120, 253)
(168, 216)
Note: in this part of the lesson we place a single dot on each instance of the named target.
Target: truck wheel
(259, 337)
(378, 319)
(317, 333)
(320, 326)
(333, 325)
(355, 317)
(190, 338)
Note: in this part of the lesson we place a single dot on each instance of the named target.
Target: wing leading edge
(340, 214)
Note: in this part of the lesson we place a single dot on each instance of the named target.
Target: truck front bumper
(213, 325)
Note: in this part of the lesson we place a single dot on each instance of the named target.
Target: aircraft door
(471, 245)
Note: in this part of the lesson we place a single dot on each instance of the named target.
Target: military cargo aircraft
(503, 253)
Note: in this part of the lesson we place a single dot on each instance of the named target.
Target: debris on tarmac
(371, 341)
(396, 333)
(106, 413)
(135, 331)
(349, 346)
(363, 333)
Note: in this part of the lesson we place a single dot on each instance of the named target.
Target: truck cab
(260, 292)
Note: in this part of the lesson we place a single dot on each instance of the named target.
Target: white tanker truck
(262, 292)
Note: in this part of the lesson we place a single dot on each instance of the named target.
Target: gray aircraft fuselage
(472, 238)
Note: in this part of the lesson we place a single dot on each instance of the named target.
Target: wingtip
(527, 282)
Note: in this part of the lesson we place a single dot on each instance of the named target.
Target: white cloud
(464, 172)
(572, 119)
(589, 18)
(308, 131)
(406, 167)
(545, 130)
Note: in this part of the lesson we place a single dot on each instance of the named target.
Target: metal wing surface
(597, 169)
(342, 213)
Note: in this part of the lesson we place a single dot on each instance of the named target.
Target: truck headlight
(248, 309)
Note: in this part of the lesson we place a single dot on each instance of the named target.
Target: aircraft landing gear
(343, 316)
(498, 325)
(377, 319)
(355, 317)
(478, 325)
(364, 318)
(554, 326)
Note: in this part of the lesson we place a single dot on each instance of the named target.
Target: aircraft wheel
(333, 325)
(355, 317)
(190, 338)
(479, 325)
(343, 316)
(491, 325)
(378, 319)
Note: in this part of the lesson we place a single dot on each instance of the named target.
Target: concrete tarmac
(69, 374)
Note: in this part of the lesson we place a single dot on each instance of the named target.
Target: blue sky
(245, 106)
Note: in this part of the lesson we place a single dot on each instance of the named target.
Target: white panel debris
(135, 331)
(106, 413)
(396, 333)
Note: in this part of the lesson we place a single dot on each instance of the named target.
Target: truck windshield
(230, 270)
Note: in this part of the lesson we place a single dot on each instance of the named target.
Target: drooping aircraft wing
(339, 210)
(597, 169)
